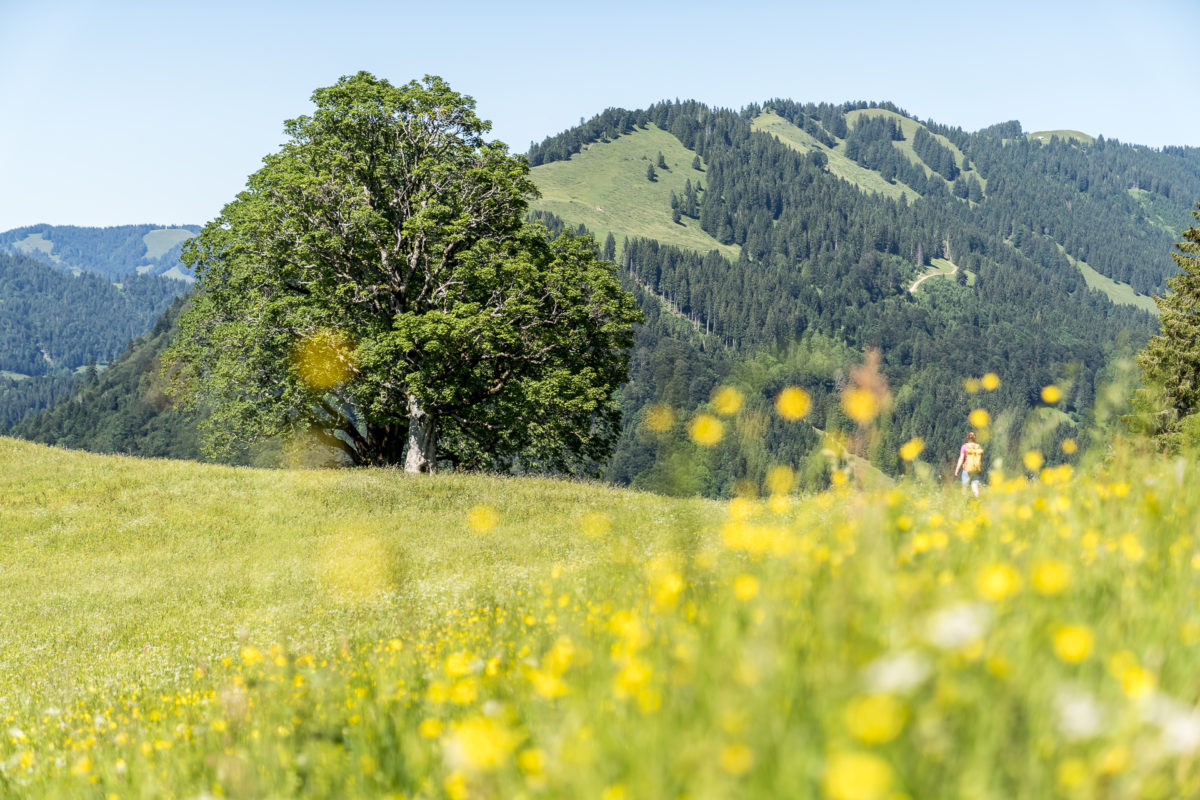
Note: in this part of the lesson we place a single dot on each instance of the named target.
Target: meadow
(183, 630)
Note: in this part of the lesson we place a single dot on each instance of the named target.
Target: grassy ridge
(180, 630)
(851, 172)
(1120, 293)
(605, 188)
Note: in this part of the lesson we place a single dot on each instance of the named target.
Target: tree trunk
(422, 439)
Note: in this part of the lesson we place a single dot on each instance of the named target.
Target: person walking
(970, 463)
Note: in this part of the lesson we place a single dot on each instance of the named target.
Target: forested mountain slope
(112, 252)
(835, 211)
(52, 324)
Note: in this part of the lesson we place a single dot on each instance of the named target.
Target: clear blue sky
(127, 112)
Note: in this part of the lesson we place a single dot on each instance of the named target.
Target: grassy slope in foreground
(605, 187)
(175, 630)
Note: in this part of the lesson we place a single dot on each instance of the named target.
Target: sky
(115, 112)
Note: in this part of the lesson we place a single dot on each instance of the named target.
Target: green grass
(1120, 293)
(36, 242)
(161, 240)
(909, 128)
(176, 630)
(14, 376)
(605, 188)
(1045, 136)
(865, 179)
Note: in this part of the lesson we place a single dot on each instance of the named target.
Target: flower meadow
(194, 631)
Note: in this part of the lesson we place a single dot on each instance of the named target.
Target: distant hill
(53, 324)
(112, 252)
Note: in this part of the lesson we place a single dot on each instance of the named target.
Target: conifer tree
(1170, 363)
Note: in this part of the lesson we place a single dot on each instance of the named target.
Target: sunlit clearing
(793, 403)
(1051, 394)
(354, 568)
(979, 418)
(990, 382)
(727, 401)
(860, 405)
(323, 359)
(706, 430)
(482, 518)
(911, 449)
(660, 418)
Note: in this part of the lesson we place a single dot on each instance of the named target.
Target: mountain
(812, 224)
(112, 252)
(54, 324)
(786, 243)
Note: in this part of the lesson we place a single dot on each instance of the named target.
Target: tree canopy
(376, 284)
(1170, 401)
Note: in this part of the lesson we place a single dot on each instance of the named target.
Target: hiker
(970, 463)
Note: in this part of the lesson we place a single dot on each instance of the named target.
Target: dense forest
(822, 277)
(112, 252)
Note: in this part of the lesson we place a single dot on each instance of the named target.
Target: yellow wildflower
(990, 382)
(706, 430)
(874, 718)
(727, 401)
(998, 582)
(911, 449)
(1051, 394)
(660, 418)
(979, 418)
(793, 403)
(1073, 643)
(860, 405)
(857, 776)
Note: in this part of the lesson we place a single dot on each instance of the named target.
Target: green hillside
(111, 252)
(839, 165)
(605, 188)
(183, 630)
(1046, 136)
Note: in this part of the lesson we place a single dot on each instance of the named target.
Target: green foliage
(376, 285)
(1170, 364)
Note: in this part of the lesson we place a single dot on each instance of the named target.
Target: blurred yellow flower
(1051, 394)
(1131, 548)
(860, 405)
(430, 728)
(857, 776)
(1051, 577)
(737, 759)
(596, 524)
(874, 718)
(480, 743)
(998, 582)
(1073, 643)
(482, 518)
(911, 449)
(745, 587)
(1137, 682)
(979, 418)
(1069, 446)
(727, 400)
(323, 359)
(706, 430)
(793, 403)
(780, 479)
(990, 382)
(660, 418)
(1071, 774)
(972, 385)
(1033, 460)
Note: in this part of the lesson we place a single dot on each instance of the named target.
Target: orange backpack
(974, 458)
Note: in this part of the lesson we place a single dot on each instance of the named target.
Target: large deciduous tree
(376, 284)
(1170, 401)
